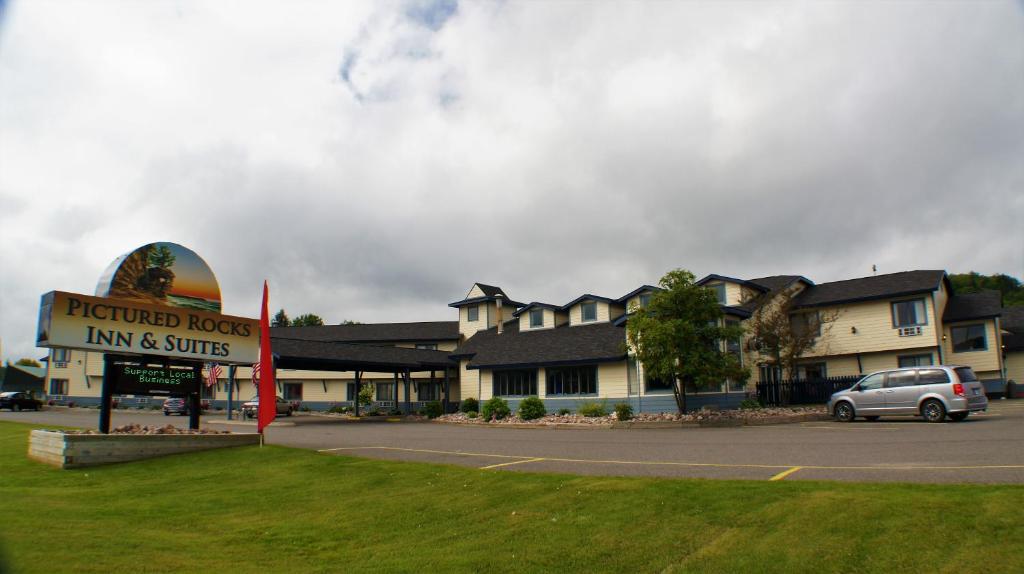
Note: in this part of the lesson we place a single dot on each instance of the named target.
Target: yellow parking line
(785, 473)
(688, 465)
(510, 463)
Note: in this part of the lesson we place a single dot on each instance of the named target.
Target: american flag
(213, 372)
(256, 375)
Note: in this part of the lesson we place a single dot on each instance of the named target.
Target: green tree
(679, 337)
(280, 320)
(785, 333)
(307, 320)
(1010, 287)
(161, 257)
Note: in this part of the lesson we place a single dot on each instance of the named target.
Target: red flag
(267, 392)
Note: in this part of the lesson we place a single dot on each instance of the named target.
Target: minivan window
(901, 378)
(932, 377)
(872, 382)
(965, 374)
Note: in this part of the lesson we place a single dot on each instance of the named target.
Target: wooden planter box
(79, 450)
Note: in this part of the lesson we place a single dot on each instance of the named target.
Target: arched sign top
(162, 274)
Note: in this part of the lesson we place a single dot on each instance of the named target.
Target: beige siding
(612, 380)
(980, 361)
(468, 381)
(938, 303)
(872, 322)
(840, 367)
(561, 318)
(484, 321)
(1015, 367)
(548, 323)
(576, 313)
(475, 292)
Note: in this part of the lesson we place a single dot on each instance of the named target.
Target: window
(350, 392)
(572, 381)
(61, 355)
(588, 311)
(656, 385)
(428, 391)
(812, 371)
(645, 299)
(536, 318)
(58, 386)
(805, 323)
(719, 290)
(427, 346)
(732, 345)
(932, 377)
(909, 313)
(514, 383)
(473, 313)
(902, 379)
(293, 391)
(969, 338)
(873, 382)
(915, 360)
(385, 391)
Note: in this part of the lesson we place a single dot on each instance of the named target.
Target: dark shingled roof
(636, 292)
(770, 285)
(869, 288)
(565, 345)
(1013, 320)
(535, 304)
(322, 355)
(374, 332)
(980, 305)
(490, 293)
(587, 297)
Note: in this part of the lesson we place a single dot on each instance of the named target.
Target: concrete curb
(627, 425)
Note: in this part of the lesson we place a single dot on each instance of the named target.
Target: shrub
(432, 409)
(396, 412)
(750, 404)
(338, 409)
(564, 411)
(531, 408)
(623, 411)
(496, 408)
(471, 415)
(470, 405)
(365, 396)
(593, 409)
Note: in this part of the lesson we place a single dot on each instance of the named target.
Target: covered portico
(400, 362)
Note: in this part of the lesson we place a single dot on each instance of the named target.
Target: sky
(371, 160)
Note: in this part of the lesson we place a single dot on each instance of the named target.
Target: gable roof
(373, 332)
(535, 304)
(769, 286)
(871, 288)
(636, 292)
(587, 296)
(563, 345)
(490, 293)
(1013, 320)
(981, 305)
(727, 279)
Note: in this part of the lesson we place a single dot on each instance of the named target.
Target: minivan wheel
(933, 411)
(957, 417)
(844, 412)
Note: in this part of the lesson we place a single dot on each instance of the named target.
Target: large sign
(154, 380)
(125, 326)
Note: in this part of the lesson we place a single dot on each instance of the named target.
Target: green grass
(278, 509)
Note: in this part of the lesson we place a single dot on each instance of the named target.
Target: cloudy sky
(372, 160)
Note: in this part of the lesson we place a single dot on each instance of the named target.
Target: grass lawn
(278, 509)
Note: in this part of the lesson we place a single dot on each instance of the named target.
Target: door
(901, 392)
(870, 396)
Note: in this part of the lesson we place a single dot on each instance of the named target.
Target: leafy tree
(365, 396)
(783, 334)
(26, 362)
(1011, 288)
(161, 257)
(679, 337)
(307, 320)
(280, 320)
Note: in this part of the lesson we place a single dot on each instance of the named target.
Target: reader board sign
(154, 380)
(74, 321)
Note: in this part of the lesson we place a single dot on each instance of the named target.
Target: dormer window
(473, 313)
(719, 290)
(645, 300)
(536, 318)
(588, 312)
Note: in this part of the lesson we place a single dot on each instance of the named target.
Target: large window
(58, 386)
(515, 383)
(656, 385)
(385, 391)
(909, 313)
(969, 338)
(915, 360)
(719, 289)
(536, 318)
(473, 313)
(812, 371)
(645, 299)
(588, 311)
(293, 391)
(572, 380)
(428, 391)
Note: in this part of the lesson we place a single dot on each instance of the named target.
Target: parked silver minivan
(933, 392)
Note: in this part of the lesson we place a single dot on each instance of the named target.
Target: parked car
(933, 392)
(250, 407)
(19, 401)
(176, 406)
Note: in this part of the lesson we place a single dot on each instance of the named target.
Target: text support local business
(100, 324)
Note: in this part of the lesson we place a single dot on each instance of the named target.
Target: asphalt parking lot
(986, 448)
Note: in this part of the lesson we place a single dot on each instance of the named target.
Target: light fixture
(853, 330)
